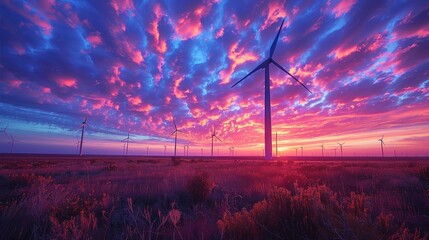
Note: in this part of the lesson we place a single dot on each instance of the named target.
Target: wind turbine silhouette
(127, 140)
(231, 150)
(165, 150)
(175, 136)
(214, 136)
(12, 141)
(302, 151)
(381, 144)
(81, 137)
(323, 148)
(341, 147)
(4, 131)
(335, 149)
(266, 65)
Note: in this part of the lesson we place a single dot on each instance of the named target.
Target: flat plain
(149, 197)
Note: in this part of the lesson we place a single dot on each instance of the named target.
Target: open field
(118, 197)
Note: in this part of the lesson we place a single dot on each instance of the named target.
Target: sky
(135, 66)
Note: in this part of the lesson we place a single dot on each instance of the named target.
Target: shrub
(423, 173)
(176, 161)
(305, 215)
(200, 187)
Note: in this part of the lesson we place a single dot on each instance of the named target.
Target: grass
(65, 197)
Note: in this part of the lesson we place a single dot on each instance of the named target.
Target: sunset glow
(135, 66)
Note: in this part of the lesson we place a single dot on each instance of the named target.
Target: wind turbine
(231, 149)
(341, 147)
(127, 140)
(302, 151)
(81, 137)
(266, 65)
(296, 152)
(186, 150)
(4, 131)
(323, 148)
(381, 144)
(175, 136)
(335, 149)
(214, 136)
(12, 141)
(165, 150)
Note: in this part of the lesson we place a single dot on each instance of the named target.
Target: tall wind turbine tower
(81, 136)
(266, 65)
(341, 147)
(323, 148)
(12, 141)
(127, 140)
(175, 136)
(381, 144)
(214, 136)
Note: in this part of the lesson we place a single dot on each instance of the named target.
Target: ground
(136, 197)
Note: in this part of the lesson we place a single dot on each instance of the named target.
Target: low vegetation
(144, 198)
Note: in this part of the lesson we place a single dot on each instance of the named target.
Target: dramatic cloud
(133, 66)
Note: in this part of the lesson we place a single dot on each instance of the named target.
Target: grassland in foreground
(116, 197)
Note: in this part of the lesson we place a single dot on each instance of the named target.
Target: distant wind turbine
(81, 136)
(323, 148)
(12, 141)
(127, 140)
(341, 147)
(335, 149)
(4, 131)
(214, 136)
(175, 136)
(296, 151)
(231, 150)
(302, 151)
(381, 144)
(165, 150)
(266, 65)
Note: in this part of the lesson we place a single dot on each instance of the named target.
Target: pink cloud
(160, 45)
(237, 57)
(15, 83)
(343, 7)
(137, 57)
(177, 92)
(189, 24)
(121, 6)
(274, 12)
(220, 33)
(94, 39)
(68, 82)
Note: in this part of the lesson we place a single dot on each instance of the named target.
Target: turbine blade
(218, 138)
(273, 46)
(175, 126)
(260, 66)
(173, 132)
(284, 70)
